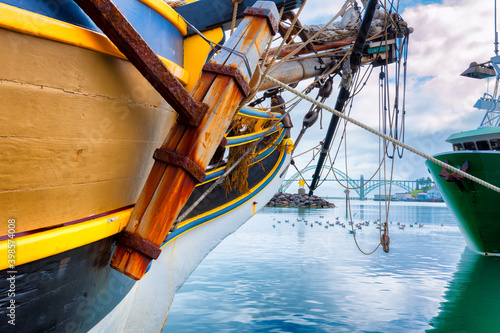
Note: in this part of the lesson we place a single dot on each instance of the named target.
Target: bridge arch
(407, 185)
(296, 178)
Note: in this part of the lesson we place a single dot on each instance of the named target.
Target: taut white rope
(382, 135)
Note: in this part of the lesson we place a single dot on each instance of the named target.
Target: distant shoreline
(393, 200)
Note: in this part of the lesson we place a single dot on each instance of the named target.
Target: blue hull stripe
(236, 141)
(258, 113)
(262, 155)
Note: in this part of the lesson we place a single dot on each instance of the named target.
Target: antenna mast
(496, 32)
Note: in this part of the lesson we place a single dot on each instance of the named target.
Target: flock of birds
(357, 226)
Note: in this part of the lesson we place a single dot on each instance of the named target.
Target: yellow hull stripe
(48, 243)
(58, 240)
(248, 138)
(23, 21)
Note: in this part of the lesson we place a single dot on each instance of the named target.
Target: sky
(448, 35)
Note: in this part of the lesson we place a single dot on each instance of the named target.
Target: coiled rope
(384, 136)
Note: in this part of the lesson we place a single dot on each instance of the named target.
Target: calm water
(312, 279)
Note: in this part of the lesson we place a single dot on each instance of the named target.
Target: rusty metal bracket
(265, 13)
(223, 142)
(234, 72)
(119, 30)
(181, 161)
(142, 245)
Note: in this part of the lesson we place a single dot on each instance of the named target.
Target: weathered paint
(198, 144)
(77, 136)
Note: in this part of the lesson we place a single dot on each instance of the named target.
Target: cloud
(447, 37)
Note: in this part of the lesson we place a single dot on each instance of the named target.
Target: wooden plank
(72, 69)
(29, 163)
(61, 114)
(50, 206)
(197, 143)
(251, 51)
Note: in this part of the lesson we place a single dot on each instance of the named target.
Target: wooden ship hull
(80, 125)
(77, 290)
(121, 130)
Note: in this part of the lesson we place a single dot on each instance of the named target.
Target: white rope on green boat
(382, 135)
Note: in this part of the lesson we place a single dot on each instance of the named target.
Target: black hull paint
(68, 292)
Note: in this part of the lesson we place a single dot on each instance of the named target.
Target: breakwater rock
(298, 200)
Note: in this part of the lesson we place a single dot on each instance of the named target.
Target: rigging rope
(231, 168)
(312, 37)
(384, 136)
(235, 12)
(303, 169)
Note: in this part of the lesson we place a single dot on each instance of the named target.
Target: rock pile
(298, 200)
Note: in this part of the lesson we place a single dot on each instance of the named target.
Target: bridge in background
(354, 184)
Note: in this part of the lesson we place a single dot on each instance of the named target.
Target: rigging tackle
(310, 118)
(393, 122)
(353, 64)
(382, 48)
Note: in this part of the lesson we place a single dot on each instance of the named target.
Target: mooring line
(384, 136)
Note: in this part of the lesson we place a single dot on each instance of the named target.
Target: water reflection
(294, 277)
(472, 298)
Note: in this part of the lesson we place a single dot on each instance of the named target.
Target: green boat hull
(475, 207)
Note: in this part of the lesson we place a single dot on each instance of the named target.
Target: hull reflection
(472, 298)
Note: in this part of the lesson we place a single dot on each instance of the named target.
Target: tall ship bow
(131, 148)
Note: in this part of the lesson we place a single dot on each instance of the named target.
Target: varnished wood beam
(170, 185)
